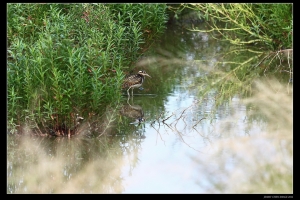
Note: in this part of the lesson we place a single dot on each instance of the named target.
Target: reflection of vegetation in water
(235, 73)
(260, 161)
(63, 165)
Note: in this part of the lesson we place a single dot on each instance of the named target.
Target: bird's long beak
(147, 75)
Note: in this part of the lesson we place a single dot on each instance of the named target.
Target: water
(182, 145)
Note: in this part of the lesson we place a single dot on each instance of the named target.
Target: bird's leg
(128, 100)
(128, 91)
(132, 92)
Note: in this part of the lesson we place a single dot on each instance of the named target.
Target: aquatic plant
(69, 59)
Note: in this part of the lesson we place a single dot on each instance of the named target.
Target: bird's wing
(131, 80)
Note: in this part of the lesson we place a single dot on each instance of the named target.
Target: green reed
(65, 59)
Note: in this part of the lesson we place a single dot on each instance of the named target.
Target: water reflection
(133, 112)
(64, 165)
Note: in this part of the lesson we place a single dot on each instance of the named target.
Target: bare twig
(158, 133)
(198, 122)
(185, 142)
(167, 118)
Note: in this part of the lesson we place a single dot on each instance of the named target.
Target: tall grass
(68, 59)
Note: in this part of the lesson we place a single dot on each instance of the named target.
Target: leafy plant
(65, 59)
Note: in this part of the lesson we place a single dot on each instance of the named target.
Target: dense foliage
(245, 23)
(64, 59)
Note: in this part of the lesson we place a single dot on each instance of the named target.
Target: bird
(134, 81)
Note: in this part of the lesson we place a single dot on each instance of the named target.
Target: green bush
(244, 23)
(69, 58)
(278, 21)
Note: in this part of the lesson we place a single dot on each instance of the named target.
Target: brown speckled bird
(134, 81)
